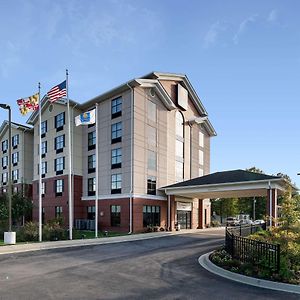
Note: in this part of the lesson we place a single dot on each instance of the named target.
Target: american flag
(57, 92)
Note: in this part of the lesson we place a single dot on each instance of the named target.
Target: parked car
(245, 222)
(259, 222)
(231, 221)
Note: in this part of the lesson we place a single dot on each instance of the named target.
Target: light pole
(9, 237)
(254, 201)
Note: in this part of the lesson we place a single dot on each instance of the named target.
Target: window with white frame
(179, 149)
(15, 158)
(59, 142)
(92, 140)
(44, 127)
(43, 189)
(4, 177)
(59, 186)
(4, 161)
(116, 107)
(151, 111)
(44, 147)
(15, 175)
(60, 120)
(116, 183)
(44, 167)
(5, 145)
(116, 132)
(15, 140)
(200, 173)
(91, 186)
(179, 171)
(92, 162)
(115, 215)
(59, 164)
(179, 124)
(58, 211)
(116, 158)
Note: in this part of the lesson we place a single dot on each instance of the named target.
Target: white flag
(86, 118)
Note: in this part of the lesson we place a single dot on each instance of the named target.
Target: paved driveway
(162, 268)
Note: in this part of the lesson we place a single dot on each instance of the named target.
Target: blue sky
(242, 57)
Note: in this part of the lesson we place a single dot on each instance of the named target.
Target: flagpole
(70, 161)
(97, 173)
(40, 165)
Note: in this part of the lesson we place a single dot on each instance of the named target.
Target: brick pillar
(200, 212)
(272, 205)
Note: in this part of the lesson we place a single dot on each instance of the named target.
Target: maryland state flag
(28, 104)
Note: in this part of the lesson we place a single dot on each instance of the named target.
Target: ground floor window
(115, 215)
(151, 215)
(91, 212)
(58, 211)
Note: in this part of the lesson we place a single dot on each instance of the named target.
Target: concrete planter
(10, 238)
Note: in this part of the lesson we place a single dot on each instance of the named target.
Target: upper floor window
(116, 158)
(44, 128)
(4, 162)
(151, 136)
(179, 171)
(92, 163)
(116, 183)
(59, 165)
(116, 132)
(15, 158)
(60, 121)
(5, 146)
(15, 175)
(44, 168)
(4, 177)
(151, 111)
(59, 143)
(44, 148)
(15, 141)
(201, 157)
(92, 186)
(116, 107)
(179, 125)
(151, 185)
(92, 140)
(43, 190)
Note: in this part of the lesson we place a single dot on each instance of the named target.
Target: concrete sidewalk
(19, 248)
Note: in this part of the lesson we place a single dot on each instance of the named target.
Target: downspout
(131, 159)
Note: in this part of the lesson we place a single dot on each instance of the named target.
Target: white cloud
(213, 34)
(243, 26)
(273, 16)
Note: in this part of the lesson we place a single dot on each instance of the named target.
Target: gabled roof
(4, 127)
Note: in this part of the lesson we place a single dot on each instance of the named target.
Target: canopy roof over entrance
(228, 184)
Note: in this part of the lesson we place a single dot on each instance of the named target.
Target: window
(116, 107)
(201, 159)
(4, 177)
(59, 165)
(5, 146)
(151, 185)
(179, 171)
(151, 160)
(200, 172)
(4, 162)
(59, 143)
(201, 139)
(15, 176)
(91, 212)
(15, 158)
(44, 168)
(151, 135)
(59, 121)
(151, 215)
(58, 211)
(92, 186)
(59, 187)
(92, 140)
(116, 183)
(43, 128)
(44, 148)
(151, 111)
(116, 158)
(116, 132)
(15, 141)
(115, 215)
(179, 150)
(92, 163)
(179, 124)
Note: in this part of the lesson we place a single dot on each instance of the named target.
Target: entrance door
(184, 219)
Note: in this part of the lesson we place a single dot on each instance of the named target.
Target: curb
(10, 249)
(205, 262)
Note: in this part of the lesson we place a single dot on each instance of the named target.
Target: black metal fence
(251, 251)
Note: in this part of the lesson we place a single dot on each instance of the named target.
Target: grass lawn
(86, 234)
